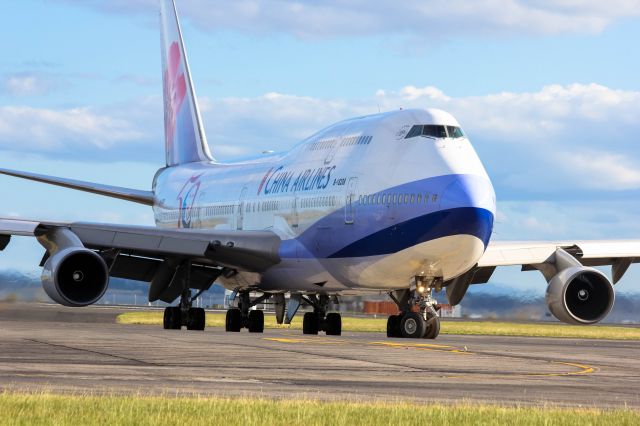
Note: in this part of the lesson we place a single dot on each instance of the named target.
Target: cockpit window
(455, 132)
(415, 131)
(435, 131)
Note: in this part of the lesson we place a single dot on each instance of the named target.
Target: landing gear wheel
(310, 323)
(433, 328)
(172, 318)
(196, 319)
(166, 320)
(333, 324)
(393, 326)
(256, 321)
(412, 325)
(233, 320)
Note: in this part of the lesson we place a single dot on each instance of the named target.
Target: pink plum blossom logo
(175, 89)
(186, 200)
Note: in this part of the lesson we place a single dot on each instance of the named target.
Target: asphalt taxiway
(83, 350)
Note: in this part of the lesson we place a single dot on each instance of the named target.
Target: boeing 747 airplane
(396, 202)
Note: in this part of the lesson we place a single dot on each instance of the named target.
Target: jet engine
(72, 275)
(580, 295)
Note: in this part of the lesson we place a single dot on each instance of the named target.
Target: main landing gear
(319, 319)
(416, 325)
(243, 317)
(184, 314)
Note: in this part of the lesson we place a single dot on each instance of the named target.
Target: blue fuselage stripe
(473, 221)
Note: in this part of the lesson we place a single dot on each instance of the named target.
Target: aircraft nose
(469, 191)
(472, 201)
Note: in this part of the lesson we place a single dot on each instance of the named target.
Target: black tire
(393, 326)
(166, 320)
(412, 325)
(333, 324)
(196, 319)
(233, 320)
(433, 328)
(202, 319)
(310, 323)
(176, 317)
(256, 321)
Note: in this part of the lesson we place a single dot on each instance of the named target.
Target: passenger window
(412, 198)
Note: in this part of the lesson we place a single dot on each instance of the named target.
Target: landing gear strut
(319, 319)
(243, 317)
(409, 324)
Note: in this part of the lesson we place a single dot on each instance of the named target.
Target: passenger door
(241, 209)
(350, 204)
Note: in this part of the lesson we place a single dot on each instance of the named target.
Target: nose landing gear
(416, 325)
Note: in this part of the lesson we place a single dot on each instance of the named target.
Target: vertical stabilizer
(185, 141)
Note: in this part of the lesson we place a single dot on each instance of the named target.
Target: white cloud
(26, 84)
(25, 129)
(433, 18)
(600, 170)
(567, 220)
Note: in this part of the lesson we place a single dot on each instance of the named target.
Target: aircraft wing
(589, 253)
(139, 252)
(541, 256)
(128, 194)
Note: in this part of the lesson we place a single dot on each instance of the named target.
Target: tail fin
(185, 141)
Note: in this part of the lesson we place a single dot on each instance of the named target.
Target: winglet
(185, 140)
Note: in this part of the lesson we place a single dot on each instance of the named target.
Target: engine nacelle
(75, 276)
(580, 295)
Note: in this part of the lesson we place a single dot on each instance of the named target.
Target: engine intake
(580, 295)
(73, 275)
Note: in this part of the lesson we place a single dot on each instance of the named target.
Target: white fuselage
(357, 205)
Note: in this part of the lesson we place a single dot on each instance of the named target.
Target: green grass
(448, 327)
(40, 409)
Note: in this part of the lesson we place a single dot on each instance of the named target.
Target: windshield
(435, 131)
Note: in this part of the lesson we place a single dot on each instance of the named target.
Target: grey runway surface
(83, 350)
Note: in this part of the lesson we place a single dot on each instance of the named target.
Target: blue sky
(548, 92)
